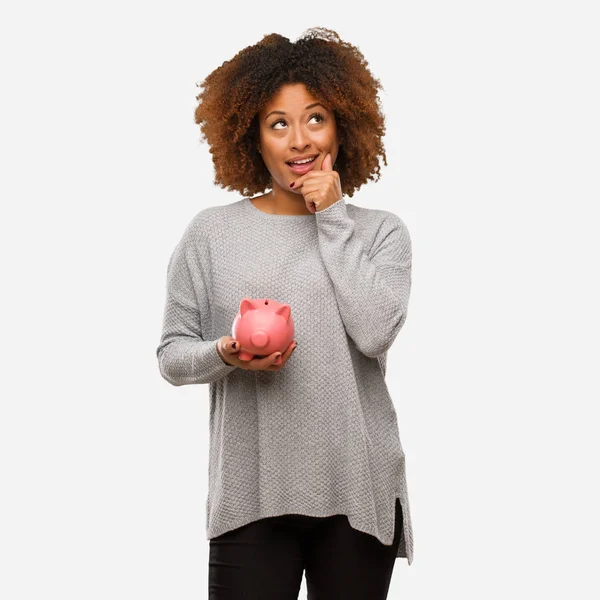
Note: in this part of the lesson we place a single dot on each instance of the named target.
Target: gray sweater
(319, 437)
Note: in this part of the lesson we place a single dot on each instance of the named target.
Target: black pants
(265, 560)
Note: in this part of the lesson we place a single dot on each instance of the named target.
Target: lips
(302, 157)
(305, 168)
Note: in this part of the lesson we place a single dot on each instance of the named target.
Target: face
(300, 131)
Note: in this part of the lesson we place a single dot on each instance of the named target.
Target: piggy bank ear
(245, 305)
(284, 311)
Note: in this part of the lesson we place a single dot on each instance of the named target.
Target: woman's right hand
(268, 363)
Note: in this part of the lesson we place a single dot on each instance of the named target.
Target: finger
(284, 358)
(326, 164)
(288, 351)
(310, 175)
(310, 204)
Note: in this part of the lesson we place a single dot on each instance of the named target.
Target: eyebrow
(280, 112)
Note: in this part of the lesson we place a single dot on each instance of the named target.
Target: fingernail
(292, 184)
(233, 345)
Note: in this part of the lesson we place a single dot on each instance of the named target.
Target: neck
(283, 203)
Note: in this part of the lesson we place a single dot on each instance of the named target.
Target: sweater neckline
(267, 215)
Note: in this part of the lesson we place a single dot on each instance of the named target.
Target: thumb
(225, 344)
(326, 164)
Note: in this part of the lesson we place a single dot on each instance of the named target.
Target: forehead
(290, 97)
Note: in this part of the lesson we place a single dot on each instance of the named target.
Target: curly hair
(336, 72)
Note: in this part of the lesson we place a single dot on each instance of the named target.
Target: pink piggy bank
(262, 326)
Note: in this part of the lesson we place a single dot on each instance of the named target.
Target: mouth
(300, 169)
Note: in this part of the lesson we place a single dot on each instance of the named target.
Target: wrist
(221, 355)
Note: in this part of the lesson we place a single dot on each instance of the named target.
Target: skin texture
(234, 95)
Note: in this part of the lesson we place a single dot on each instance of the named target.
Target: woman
(306, 468)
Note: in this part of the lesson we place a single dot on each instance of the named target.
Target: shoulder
(209, 220)
(385, 233)
(379, 222)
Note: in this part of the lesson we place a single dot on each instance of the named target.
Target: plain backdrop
(492, 140)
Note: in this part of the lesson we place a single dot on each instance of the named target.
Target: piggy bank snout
(259, 339)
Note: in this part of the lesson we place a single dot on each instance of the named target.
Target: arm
(372, 288)
(184, 356)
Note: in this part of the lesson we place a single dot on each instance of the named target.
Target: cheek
(274, 150)
(327, 138)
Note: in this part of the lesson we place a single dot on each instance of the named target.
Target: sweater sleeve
(372, 289)
(184, 356)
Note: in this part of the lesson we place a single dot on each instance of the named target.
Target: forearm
(185, 361)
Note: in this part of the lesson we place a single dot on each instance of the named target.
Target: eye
(319, 115)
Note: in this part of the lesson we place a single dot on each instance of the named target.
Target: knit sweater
(320, 436)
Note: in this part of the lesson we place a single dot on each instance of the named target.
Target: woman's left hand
(320, 188)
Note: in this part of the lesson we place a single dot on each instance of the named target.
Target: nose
(299, 139)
